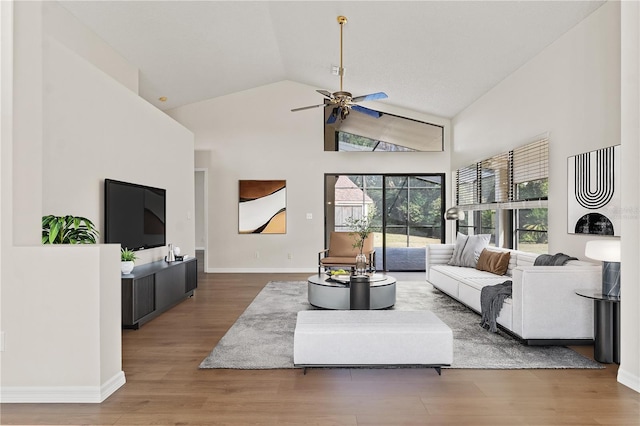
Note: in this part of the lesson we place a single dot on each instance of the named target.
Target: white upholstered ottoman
(361, 338)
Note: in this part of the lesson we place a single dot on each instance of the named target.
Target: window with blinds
(494, 180)
(467, 185)
(531, 171)
(512, 177)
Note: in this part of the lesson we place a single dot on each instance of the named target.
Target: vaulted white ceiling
(435, 57)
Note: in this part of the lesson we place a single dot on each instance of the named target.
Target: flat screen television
(135, 215)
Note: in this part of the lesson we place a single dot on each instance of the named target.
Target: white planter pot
(126, 267)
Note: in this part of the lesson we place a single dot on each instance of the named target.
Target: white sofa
(543, 309)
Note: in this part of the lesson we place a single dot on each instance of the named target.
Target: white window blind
(493, 181)
(467, 185)
(531, 162)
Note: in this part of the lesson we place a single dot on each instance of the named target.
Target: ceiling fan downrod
(341, 20)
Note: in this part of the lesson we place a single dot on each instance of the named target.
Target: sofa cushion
(468, 249)
(462, 274)
(493, 261)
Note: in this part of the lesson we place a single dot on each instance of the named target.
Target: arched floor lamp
(454, 213)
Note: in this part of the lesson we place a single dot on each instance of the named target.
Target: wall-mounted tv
(134, 215)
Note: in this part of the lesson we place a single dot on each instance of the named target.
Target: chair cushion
(339, 260)
(341, 245)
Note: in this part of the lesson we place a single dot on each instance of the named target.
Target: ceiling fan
(342, 102)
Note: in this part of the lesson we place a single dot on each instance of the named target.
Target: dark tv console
(153, 288)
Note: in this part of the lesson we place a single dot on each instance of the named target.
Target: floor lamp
(608, 251)
(454, 213)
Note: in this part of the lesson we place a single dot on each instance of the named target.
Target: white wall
(573, 91)
(200, 240)
(110, 132)
(254, 135)
(62, 324)
(63, 26)
(66, 125)
(629, 372)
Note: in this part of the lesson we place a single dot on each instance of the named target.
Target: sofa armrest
(437, 254)
(545, 305)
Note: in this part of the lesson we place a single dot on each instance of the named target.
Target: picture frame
(262, 207)
(593, 192)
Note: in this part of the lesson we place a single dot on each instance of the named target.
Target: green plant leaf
(53, 233)
(68, 230)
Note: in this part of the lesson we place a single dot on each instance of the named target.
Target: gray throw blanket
(491, 299)
(558, 259)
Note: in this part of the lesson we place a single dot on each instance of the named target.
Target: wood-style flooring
(165, 386)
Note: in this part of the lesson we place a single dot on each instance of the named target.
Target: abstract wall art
(594, 192)
(262, 207)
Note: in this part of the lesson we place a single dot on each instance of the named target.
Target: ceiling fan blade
(372, 113)
(333, 117)
(326, 93)
(308, 107)
(370, 97)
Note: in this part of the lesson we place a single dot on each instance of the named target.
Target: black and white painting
(594, 192)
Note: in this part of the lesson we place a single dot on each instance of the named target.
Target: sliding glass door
(408, 214)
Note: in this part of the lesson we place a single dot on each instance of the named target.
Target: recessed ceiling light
(162, 98)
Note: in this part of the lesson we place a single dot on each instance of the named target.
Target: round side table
(606, 326)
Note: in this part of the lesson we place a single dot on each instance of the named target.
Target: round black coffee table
(334, 293)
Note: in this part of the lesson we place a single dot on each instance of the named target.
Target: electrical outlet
(309, 216)
(289, 256)
(257, 255)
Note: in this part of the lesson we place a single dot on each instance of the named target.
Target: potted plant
(360, 230)
(68, 230)
(127, 258)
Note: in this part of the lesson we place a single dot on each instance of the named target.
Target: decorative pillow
(461, 241)
(469, 249)
(495, 262)
(473, 248)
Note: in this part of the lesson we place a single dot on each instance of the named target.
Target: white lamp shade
(605, 250)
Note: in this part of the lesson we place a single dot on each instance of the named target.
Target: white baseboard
(112, 385)
(629, 380)
(62, 394)
(259, 270)
(200, 248)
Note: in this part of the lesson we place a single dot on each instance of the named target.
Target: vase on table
(361, 264)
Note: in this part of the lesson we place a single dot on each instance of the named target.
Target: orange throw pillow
(495, 262)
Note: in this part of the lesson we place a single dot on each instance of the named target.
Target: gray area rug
(262, 338)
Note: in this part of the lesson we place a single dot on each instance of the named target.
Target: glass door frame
(383, 232)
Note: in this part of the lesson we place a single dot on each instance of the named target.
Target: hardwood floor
(165, 386)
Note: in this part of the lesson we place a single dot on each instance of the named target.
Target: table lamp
(608, 251)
